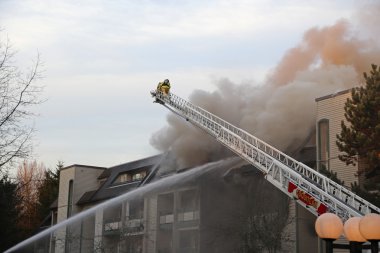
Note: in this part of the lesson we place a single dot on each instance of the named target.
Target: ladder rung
(277, 166)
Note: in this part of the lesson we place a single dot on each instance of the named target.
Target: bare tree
(30, 176)
(18, 95)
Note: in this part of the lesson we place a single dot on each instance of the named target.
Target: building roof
(86, 197)
(84, 166)
(106, 173)
(333, 95)
(109, 189)
(54, 205)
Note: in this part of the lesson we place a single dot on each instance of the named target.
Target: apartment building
(330, 113)
(215, 208)
(228, 209)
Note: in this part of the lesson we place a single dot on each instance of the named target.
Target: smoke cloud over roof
(281, 111)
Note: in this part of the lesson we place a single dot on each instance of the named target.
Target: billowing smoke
(281, 111)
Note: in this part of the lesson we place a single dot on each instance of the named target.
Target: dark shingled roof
(86, 197)
(109, 189)
(54, 205)
(105, 174)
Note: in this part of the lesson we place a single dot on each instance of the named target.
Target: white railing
(188, 216)
(112, 226)
(167, 219)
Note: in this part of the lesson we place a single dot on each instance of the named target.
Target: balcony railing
(134, 227)
(166, 219)
(188, 216)
(112, 226)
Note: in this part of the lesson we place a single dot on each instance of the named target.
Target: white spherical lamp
(351, 230)
(369, 227)
(329, 226)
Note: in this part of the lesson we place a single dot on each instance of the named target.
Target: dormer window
(122, 178)
(138, 176)
(130, 176)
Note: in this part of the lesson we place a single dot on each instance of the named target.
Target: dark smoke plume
(281, 111)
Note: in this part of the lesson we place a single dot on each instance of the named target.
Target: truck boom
(307, 186)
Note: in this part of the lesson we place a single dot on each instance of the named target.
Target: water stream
(217, 220)
(167, 182)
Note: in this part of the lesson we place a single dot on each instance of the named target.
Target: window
(122, 178)
(125, 178)
(165, 204)
(130, 177)
(138, 176)
(188, 205)
(323, 143)
(136, 209)
(70, 199)
(69, 213)
(188, 200)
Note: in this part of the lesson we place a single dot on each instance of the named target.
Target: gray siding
(332, 108)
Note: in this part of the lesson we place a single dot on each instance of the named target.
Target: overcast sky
(101, 58)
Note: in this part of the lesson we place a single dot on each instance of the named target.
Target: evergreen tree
(330, 174)
(368, 192)
(48, 191)
(9, 232)
(361, 137)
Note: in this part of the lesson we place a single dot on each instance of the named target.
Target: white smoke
(281, 111)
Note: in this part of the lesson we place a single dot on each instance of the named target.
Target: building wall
(218, 204)
(150, 223)
(65, 177)
(59, 236)
(84, 179)
(331, 108)
(98, 234)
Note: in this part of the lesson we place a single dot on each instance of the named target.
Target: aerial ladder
(307, 186)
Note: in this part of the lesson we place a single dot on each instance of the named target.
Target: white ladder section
(310, 188)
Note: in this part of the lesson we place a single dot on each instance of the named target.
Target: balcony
(188, 219)
(188, 216)
(112, 227)
(134, 227)
(166, 221)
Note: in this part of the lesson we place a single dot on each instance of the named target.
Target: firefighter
(164, 87)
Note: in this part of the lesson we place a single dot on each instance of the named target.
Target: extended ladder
(310, 188)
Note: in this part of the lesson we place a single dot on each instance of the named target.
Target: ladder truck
(307, 186)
